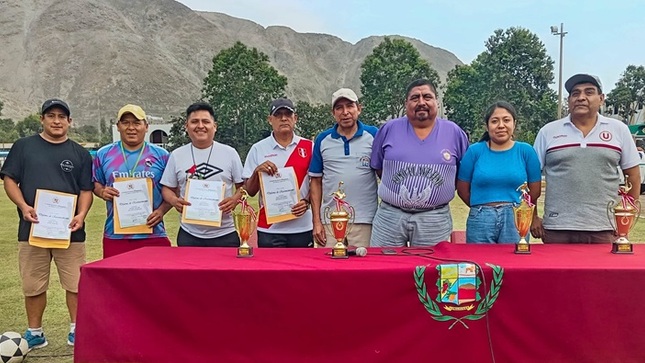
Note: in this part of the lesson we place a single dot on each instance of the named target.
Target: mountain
(101, 54)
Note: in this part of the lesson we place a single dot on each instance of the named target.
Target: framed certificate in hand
(204, 197)
(55, 211)
(133, 205)
(279, 193)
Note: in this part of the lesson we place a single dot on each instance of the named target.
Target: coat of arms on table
(458, 295)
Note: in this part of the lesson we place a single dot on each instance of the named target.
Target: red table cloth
(562, 303)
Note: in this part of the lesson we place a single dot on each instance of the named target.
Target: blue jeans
(491, 224)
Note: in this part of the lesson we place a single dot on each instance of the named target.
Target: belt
(413, 211)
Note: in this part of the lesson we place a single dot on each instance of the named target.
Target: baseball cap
(54, 102)
(281, 103)
(582, 78)
(137, 111)
(343, 93)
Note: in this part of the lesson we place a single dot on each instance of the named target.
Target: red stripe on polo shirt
(563, 147)
(593, 144)
(608, 146)
(299, 159)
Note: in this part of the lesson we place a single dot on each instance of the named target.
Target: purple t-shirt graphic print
(418, 174)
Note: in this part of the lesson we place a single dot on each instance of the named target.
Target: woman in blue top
(489, 175)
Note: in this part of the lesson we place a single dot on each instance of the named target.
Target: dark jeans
(302, 240)
(586, 237)
(185, 239)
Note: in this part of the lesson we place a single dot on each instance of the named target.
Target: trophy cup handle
(351, 218)
(610, 208)
(637, 216)
(326, 219)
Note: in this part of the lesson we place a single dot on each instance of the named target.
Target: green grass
(56, 319)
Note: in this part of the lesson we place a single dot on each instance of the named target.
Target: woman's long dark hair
(491, 109)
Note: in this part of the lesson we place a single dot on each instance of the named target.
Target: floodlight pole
(561, 33)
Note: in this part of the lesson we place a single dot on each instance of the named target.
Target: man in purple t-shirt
(416, 157)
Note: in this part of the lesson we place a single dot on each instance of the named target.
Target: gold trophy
(625, 215)
(245, 222)
(340, 222)
(523, 217)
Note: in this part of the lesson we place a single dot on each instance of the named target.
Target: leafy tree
(514, 67)
(88, 133)
(178, 135)
(629, 94)
(312, 119)
(240, 87)
(30, 125)
(106, 132)
(385, 74)
(8, 132)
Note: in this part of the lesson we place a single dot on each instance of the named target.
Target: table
(560, 304)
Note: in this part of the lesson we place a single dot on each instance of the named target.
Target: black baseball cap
(281, 103)
(582, 78)
(55, 102)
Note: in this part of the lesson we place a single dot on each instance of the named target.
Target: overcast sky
(603, 38)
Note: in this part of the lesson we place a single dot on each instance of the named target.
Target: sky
(603, 37)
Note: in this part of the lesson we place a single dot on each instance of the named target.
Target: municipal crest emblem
(457, 296)
(302, 152)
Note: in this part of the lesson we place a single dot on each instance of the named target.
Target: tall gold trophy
(245, 222)
(625, 213)
(340, 222)
(523, 217)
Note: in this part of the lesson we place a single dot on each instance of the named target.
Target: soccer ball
(13, 347)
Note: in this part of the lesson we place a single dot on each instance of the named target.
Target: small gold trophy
(340, 221)
(523, 217)
(625, 215)
(245, 222)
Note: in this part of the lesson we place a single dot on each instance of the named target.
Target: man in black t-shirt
(49, 161)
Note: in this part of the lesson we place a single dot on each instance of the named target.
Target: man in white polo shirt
(580, 155)
(342, 153)
(283, 148)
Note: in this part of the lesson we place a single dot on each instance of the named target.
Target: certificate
(55, 211)
(133, 205)
(204, 197)
(279, 193)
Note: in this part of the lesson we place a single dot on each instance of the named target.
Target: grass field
(56, 320)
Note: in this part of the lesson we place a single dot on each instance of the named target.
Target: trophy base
(622, 248)
(245, 251)
(522, 249)
(339, 251)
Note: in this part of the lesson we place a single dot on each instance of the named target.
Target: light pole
(561, 33)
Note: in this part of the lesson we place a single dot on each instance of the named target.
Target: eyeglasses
(136, 123)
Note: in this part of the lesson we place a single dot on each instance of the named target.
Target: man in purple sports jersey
(131, 157)
(417, 157)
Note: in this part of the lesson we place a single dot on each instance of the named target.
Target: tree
(385, 74)
(88, 133)
(106, 132)
(178, 135)
(30, 125)
(313, 119)
(8, 132)
(629, 94)
(514, 67)
(240, 87)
